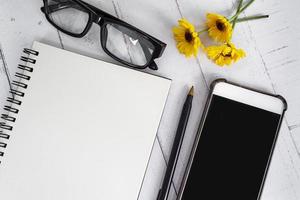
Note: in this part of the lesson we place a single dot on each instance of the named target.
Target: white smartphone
(234, 144)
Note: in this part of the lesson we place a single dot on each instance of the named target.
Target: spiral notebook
(77, 128)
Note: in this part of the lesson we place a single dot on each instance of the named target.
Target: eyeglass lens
(128, 45)
(68, 16)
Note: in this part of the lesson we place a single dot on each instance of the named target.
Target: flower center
(220, 26)
(188, 36)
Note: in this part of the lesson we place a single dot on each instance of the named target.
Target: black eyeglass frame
(102, 18)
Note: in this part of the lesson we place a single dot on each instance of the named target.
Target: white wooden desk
(272, 64)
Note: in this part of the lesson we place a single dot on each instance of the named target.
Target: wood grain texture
(271, 65)
(4, 77)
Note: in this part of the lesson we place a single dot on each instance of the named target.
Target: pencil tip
(191, 92)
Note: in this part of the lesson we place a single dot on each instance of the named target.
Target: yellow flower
(219, 28)
(187, 39)
(225, 54)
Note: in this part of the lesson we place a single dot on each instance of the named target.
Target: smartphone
(234, 144)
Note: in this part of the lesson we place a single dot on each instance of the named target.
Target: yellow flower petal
(225, 54)
(187, 39)
(219, 28)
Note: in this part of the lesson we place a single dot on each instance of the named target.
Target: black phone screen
(233, 152)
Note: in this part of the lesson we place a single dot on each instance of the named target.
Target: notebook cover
(85, 130)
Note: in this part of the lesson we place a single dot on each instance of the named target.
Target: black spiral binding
(17, 92)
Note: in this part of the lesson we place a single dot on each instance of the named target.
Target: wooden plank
(283, 180)
(155, 171)
(278, 40)
(151, 17)
(246, 72)
(296, 138)
(4, 79)
(20, 24)
(264, 68)
(254, 72)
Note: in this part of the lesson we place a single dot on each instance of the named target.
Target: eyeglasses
(120, 40)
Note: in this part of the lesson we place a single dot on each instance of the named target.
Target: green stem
(237, 11)
(251, 18)
(239, 20)
(202, 31)
(242, 9)
(246, 6)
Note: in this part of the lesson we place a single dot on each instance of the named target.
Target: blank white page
(85, 130)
